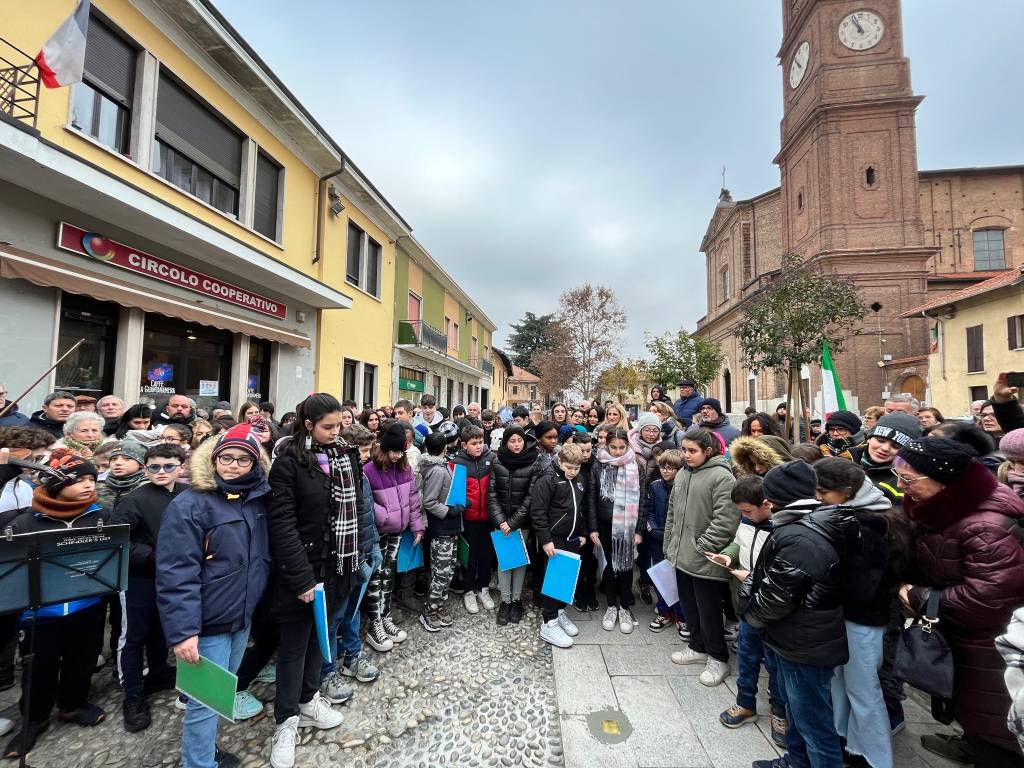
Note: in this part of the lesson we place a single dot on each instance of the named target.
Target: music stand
(59, 566)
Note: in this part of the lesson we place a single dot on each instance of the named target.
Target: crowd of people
(807, 558)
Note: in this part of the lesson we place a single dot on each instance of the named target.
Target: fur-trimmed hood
(201, 466)
(748, 452)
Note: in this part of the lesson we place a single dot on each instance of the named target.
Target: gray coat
(701, 518)
(434, 478)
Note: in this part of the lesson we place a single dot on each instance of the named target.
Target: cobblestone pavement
(474, 695)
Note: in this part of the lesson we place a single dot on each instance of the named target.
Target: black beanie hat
(901, 428)
(790, 482)
(844, 419)
(393, 438)
(65, 469)
(435, 443)
(939, 458)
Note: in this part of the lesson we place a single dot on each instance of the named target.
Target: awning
(52, 274)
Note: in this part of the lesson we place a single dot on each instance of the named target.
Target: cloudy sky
(535, 145)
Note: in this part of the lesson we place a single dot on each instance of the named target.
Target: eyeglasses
(155, 469)
(169, 439)
(904, 479)
(988, 414)
(241, 461)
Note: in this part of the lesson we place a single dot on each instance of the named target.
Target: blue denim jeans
(199, 731)
(860, 713)
(751, 652)
(811, 738)
(344, 624)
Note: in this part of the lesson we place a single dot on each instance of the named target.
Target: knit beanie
(65, 469)
(393, 438)
(713, 403)
(844, 419)
(648, 419)
(239, 436)
(449, 429)
(899, 427)
(789, 482)
(1012, 445)
(131, 449)
(939, 458)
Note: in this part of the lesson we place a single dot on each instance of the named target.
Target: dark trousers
(644, 561)
(549, 606)
(892, 686)
(989, 755)
(142, 635)
(264, 636)
(477, 574)
(618, 587)
(702, 605)
(811, 738)
(298, 666)
(65, 657)
(750, 652)
(586, 585)
(116, 621)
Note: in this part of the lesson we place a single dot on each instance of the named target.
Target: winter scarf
(637, 444)
(240, 486)
(525, 457)
(44, 504)
(124, 484)
(623, 487)
(80, 447)
(342, 531)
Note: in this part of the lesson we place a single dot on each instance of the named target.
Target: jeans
(702, 605)
(860, 713)
(199, 730)
(345, 622)
(751, 652)
(511, 583)
(143, 633)
(811, 738)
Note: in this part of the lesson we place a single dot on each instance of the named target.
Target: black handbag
(923, 658)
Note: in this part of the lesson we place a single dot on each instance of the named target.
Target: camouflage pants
(378, 591)
(442, 566)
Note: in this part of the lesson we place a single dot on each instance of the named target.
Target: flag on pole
(61, 60)
(831, 391)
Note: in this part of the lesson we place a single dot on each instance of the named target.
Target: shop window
(348, 379)
(257, 385)
(362, 268)
(989, 253)
(369, 384)
(90, 368)
(185, 359)
(975, 349)
(102, 102)
(266, 205)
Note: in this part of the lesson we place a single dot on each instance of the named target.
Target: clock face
(861, 30)
(798, 67)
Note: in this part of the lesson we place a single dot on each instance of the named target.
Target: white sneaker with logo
(689, 656)
(317, 713)
(552, 632)
(567, 624)
(714, 673)
(282, 749)
(611, 616)
(485, 599)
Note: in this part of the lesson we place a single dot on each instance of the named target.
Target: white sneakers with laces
(486, 600)
(611, 616)
(689, 656)
(714, 673)
(282, 749)
(469, 600)
(317, 713)
(552, 632)
(567, 624)
(626, 622)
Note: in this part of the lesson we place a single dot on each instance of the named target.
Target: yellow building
(500, 380)
(976, 333)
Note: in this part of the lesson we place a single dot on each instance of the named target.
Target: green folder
(209, 684)
(463, 552)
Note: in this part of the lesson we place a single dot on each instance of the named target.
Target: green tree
(532, 334)
(784, 326)
(680, 355)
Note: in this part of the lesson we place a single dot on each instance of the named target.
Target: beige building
(523, 387)
(499, 380)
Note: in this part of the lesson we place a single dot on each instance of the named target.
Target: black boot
(136, 714)
(503, 613)
(516, 611)
(645, 594)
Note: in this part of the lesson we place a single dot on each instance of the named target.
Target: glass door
(185, 359)
(89, 370)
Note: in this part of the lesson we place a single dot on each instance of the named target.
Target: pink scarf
(624, 491)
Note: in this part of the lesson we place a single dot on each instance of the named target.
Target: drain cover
(610, 726)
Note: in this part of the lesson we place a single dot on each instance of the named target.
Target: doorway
(727, 386)
(185, 359)
(914, 385)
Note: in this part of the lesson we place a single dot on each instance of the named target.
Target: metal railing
(19, 84)
(419, 332)
(483, 364)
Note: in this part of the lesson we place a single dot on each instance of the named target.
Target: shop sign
(95, 246)
(410, 385)
(159, 375)
(209, 388)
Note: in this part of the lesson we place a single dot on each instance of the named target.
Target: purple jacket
(396, 500)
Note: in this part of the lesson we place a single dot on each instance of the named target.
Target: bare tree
(556, 364)
(594, 321)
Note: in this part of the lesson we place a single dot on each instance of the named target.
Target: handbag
(923, 658)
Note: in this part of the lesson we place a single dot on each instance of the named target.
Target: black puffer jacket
(143, 509)
(600, 508)
(797, 588)
(557, 506)
(508, 494)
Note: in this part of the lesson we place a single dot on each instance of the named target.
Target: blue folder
(410, 555)
(457, 492)
(320, 619)
(560, 576)
(511, 550)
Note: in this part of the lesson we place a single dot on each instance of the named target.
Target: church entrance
(913, 385)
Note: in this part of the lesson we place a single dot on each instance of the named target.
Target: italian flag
(61, 60)
(831, 391)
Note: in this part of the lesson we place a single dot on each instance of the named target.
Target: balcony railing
(19, 84)
(483, 364)
(419, 332)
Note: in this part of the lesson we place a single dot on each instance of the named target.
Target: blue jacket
(658, 493)
(686, 409)
(212, 555)
(14, 418)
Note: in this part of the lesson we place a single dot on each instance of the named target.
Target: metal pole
(35, 383)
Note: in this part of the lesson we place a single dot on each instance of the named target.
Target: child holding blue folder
(444, 524)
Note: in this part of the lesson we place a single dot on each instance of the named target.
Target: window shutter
(975, 349)
(1011, 331)
(196, 132)
(110, 62)
(355, 244)
(268, 176)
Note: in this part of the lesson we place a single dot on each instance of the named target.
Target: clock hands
(856, 23)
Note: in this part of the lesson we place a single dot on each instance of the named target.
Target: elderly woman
(967, 549)
(83, 433)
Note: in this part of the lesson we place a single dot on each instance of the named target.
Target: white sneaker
(282, 749)
(689, 656)
(610, 617)
(552, 632)
(485, 599)
(626, 622)
(567, 624)
(318, 714)
(6, 726)
(714, 673)
(469, 600)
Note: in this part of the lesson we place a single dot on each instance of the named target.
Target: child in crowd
(739, 558)
(143, 509)
(617, 519)
(27, 444)
(586, 587)
(215, 533)
(101, 458)
(444, 524)
(1011, 471)
(643, 441)
(126, 473)
(658, 494)
(396, 507)
(521, 417)
(557, 501)
(476, 524)
(702, 518)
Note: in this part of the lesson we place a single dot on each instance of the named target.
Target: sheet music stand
(59, 566)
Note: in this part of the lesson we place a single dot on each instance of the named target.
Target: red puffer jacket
(968, 547)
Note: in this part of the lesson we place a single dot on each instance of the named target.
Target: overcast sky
(535, 145)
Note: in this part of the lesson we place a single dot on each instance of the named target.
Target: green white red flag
(831, 391)
(61, 60)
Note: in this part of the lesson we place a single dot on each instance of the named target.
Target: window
(265, 200)
(451, 393)
(369, 383)
(988, 249)
(462, 392)
(348, 379)
(453, 342)
(1015, 331)
(800, 201)
(870, 177)
(102, 102)
(979, 393)
(975, 349)
(415, 303)
(515, 389)
(726, 284)
(196, 150)
(90, 368)
(437, 388)
(362, 267)
(474, 348)
(448, 330)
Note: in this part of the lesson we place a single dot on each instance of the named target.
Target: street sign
(411, 385)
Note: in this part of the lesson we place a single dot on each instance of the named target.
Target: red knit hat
(239, 436)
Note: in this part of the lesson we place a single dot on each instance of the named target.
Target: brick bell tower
(848, 167)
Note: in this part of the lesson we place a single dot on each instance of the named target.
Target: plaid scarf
(341, 534)
(620, 482)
